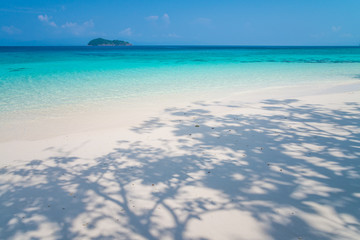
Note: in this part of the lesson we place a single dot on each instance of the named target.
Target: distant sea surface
(49, 77)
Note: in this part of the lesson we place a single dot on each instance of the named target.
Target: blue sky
(226, 22)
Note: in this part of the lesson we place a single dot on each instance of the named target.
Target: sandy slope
(272, 164)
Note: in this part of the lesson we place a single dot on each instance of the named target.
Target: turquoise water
(47, 77)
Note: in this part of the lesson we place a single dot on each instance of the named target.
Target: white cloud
(89, 24)
(126, 32)
(53, 24)
(10, 30)
(152, 18)
(76, 28)
(166, 18)
(45, 19)
(69, 25)
(72, 27)
(336, 28)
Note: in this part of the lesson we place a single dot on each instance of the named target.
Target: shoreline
(42, 123)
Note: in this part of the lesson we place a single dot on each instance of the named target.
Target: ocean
(33, 78)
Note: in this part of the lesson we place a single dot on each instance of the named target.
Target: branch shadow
(289, 172)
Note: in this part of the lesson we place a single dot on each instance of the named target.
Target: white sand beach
(278, 163)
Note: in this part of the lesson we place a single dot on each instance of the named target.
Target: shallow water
(49, 77)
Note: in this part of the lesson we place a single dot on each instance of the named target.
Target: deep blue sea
(47, 77)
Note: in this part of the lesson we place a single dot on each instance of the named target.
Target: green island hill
(105, 42)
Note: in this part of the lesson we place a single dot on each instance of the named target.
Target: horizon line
(189, 45)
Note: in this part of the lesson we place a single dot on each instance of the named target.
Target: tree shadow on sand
(290, 171)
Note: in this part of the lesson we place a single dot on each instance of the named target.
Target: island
(105, 42)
